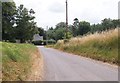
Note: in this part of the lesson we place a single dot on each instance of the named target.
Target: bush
(39, 42)
(12, 41)
(43, 42)
(51, 41)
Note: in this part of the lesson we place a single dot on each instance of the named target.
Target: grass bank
(16, 61)
(100, 46)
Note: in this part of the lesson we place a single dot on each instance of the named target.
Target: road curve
(61, 66)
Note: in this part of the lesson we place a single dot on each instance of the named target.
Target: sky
(50, 12)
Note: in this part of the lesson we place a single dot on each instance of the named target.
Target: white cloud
(57, 7)
(51, 12)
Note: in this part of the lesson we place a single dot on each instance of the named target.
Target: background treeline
(17, 23)
(80, 28)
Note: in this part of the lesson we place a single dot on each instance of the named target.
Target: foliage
(84, 28)
(42, 32)
(43, 42)
(68, 35)
(74, 27)
(8, 18)
(51, 34)
(39, 42)
(81, 28)
(106, 24)
(60, 25)
(26, 27)
(58, 32)
(18, 23)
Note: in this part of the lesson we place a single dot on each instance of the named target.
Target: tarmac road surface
(61, 66)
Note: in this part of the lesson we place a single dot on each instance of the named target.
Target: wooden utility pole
(46, 35)
(66, 17)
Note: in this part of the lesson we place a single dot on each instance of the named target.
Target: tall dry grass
(105, 36)
(101, 46)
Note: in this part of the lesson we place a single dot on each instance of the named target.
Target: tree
(96, 28)
(8, 16)
(59, 33)
(116, 23)
(84, 28)
(61, 25)
(51, 34)
(42, 32)
(107, 24)
(51, 28)
(80, 28)
(69, 35)
(75, 27)
(76, 23)
(26, 27)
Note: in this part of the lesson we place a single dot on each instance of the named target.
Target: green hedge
(44, 42)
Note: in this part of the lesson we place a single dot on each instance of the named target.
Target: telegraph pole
(66, 18)
(46, 35)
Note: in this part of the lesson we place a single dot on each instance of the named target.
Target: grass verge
(16, 61)
(100, 46)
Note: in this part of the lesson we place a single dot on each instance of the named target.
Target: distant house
(37, 37)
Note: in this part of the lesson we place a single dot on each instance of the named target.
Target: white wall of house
(37, 37)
